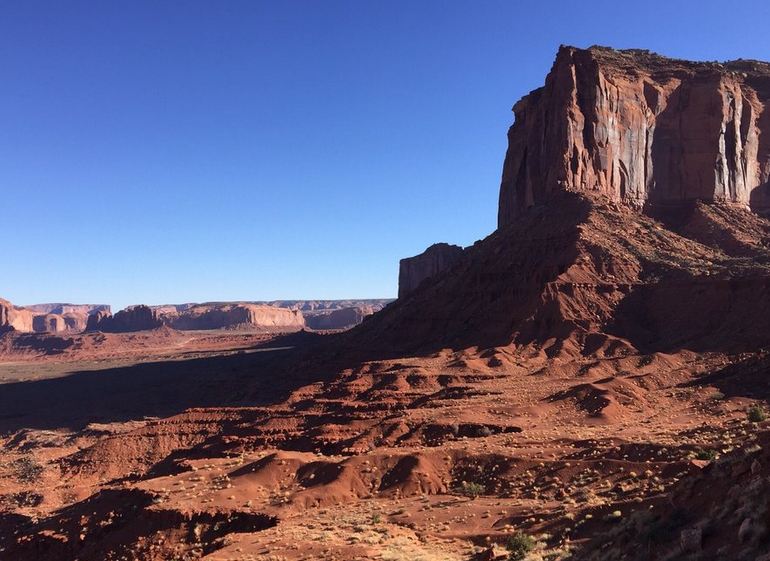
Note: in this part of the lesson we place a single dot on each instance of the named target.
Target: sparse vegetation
(519, 545)
(756, 414)
(471, 489)
(376, 518)
(645, 360)
(717, 396)
(21, 499)
(28, 470)
(709, 455)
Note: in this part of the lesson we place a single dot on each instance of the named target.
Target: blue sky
(156, 152)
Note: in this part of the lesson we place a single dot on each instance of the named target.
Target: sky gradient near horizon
(163, 152)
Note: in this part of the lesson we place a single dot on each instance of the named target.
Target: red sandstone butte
(641, 129)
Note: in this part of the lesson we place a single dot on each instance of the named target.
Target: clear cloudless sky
(174, 151)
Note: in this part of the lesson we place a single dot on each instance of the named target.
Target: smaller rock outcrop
(344, 318)
(96, 319)
(133, 318)
(64, 309)
(15, 317)
(5, 315)
(413, 271)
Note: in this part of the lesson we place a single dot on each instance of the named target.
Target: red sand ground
(572, 406)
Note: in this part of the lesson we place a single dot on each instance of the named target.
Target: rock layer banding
(226, 315)
(641, 129)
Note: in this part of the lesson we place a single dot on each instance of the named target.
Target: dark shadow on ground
(720, 315)
(151, 389)
(748, 378)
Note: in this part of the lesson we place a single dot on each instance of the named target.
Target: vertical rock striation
(641, 129)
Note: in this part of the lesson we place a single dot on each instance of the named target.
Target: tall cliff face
(641, 129)
(414, 270)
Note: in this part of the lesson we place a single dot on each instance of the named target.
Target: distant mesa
(413, 271)
(47, 318)
(65, 309)
(133, 318)
(275, 316)
(198, 317)
(322, 315)
(230, 315)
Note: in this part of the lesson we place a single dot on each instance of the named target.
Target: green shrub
(756, 414)
(709, 455)
(471, 489)
(519, 545)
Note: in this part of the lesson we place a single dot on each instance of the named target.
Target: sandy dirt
(580, 382)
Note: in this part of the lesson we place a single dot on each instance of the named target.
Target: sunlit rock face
(641, 129)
